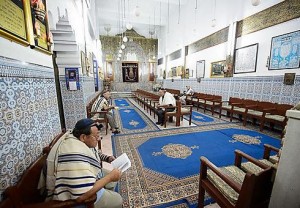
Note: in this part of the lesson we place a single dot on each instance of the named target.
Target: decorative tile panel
(29, 116)
(268, 88)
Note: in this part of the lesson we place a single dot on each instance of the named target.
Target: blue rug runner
(201, 119)
(131, 119)
(160, 176)
(121, 102)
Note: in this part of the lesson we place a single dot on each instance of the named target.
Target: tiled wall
(29, 116)
(269, 88)
(74, 102)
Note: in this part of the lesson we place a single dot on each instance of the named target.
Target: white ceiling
(110, 13)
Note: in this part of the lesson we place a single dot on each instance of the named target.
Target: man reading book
(74, 170)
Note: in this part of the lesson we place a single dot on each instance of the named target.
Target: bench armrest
(205, 163)
(268, 149)
(238, 159)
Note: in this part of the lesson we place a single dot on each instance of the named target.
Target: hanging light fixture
(137, 10)
(129, 26)
(122, 46)
(214, 21)
(255, 2)
(125, 39)
(120, 51)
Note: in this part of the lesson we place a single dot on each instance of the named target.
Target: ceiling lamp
(119, 55)
(129, 26)
(123, 46)
(213, 22)
(118, 59)
(125, 39)
(255, 2)
(137, 11)
(107, 28)
(120, 51)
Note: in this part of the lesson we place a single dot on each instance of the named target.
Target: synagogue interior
(198, 100)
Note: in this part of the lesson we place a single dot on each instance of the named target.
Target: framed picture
(285, 51)
(40, 24)
(217, 68)
(173, 72)
(83, 62)
(13, 19)
(200, 69)
(246, 59)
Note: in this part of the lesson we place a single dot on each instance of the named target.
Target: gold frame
(106, 75)
(29, 29)
(217, 69)
(152, 72)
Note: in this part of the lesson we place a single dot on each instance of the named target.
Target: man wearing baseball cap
(74, 170)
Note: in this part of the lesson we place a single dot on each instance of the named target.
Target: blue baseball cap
(84, 123)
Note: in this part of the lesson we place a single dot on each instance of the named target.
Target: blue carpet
(201, 119)
(170, 154)
(159, 161)
(131, 119)
(121, 102)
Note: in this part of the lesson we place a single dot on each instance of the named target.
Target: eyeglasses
(95, 136)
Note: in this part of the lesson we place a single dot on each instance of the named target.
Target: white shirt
(167, 99)
(190, 92)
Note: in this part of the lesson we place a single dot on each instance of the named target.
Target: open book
(122, 162)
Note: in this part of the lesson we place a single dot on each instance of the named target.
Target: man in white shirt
(166, 100)
(189, 92)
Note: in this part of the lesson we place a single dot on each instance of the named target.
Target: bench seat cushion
(275, 117)
(232, 171)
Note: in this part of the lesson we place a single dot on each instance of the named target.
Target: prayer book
(122, 162)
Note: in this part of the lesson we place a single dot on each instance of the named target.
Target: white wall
(263, 38)
(213, 54)
(14, 50)
(196, 24)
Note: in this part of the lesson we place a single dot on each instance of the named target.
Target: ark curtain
(130, 72)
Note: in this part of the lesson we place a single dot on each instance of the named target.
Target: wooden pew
(254, 189)
(25, 193)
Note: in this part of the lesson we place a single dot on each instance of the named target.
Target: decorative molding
(214, 39)
(279, 13)
(175, 55)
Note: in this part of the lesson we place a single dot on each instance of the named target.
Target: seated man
(189, 92)
(166, 100)
(102, 104)
(74, 170)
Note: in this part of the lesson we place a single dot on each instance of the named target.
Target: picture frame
(217, 69)
(18, 12)
(41, 31)
(246, 59)
(200, 69)
(285, 51)
(26, 22)
(83, 62)
(289, 78)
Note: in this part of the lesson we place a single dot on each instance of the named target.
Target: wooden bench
(242, 189)
(25, 193)
(90, 114)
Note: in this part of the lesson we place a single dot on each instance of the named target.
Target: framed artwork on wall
(217, 69)
(246, 59)
(285, 51)
(200, 69)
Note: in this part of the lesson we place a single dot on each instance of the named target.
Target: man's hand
(110, 159)
(115, 175)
